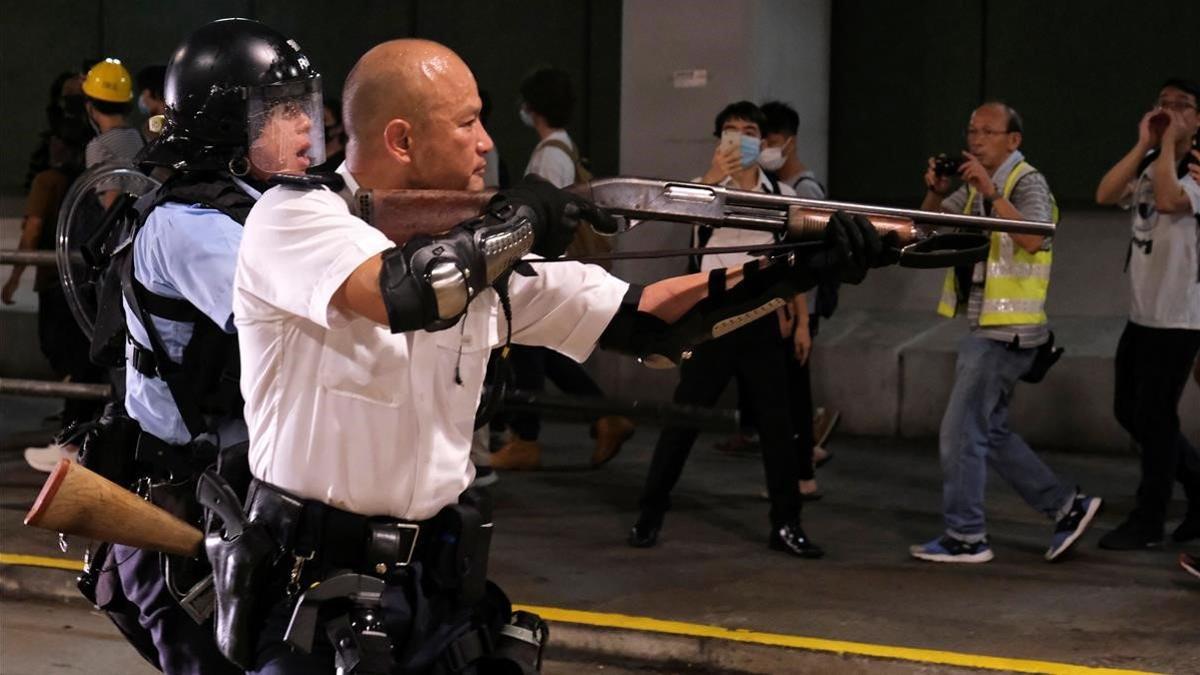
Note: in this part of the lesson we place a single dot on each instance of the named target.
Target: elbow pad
(428, 282)
(659, 344)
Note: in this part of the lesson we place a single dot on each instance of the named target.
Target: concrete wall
(760, 50)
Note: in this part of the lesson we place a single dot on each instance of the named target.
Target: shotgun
(402, 214)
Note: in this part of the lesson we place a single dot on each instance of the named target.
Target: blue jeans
(975, 435)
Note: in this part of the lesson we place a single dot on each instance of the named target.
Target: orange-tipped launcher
(83, 503)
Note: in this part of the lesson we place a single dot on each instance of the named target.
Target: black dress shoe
(1132, 535)
(645, 531)
(791, 539)
(1189, 529)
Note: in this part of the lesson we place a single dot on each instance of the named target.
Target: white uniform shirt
(341, 410)
(551, 162)
(1163, 260)
(729, 236)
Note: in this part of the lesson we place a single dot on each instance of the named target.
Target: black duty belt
(337, 539)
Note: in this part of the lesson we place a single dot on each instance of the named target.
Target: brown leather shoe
(518, 455)
(611, 432)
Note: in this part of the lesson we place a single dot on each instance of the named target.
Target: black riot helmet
(237, 93)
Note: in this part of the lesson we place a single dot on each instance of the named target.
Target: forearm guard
(428, 282)
(659, 344)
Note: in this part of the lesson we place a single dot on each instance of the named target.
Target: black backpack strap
(171, 373)
(819, 184)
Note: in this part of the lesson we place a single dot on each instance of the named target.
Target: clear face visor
(285, 123)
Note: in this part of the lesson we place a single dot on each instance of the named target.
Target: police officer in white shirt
(363, 361)
(1161, 339)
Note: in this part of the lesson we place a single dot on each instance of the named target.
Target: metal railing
(11, 256)
(54, 389)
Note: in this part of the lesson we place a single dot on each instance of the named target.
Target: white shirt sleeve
(552, 164)
(1192, 190)
(566, 306)
(299, 247)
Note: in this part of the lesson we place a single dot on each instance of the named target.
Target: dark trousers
(140, 594)
(66, 348)
(802, 413)
(758, 355)
(531, 367)
(1152, 368)
(800, 387)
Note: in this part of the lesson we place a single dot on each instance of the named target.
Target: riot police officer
(236, 92)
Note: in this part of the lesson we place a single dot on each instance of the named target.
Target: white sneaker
(44, 459)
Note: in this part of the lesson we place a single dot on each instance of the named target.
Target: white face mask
(526, 117)
(771, 159)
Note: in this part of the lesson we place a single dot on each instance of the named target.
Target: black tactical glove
(852, 246)
(557, 214)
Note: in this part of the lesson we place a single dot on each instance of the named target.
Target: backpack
(587, 242)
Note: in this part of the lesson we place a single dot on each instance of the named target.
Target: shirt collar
(764, 183)
(254, 194)
(1001, 174)
(350, 189)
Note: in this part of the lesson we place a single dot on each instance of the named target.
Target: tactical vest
(1016, 281)
(206, 382)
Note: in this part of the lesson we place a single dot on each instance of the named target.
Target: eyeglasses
(972, 132)
(1177, 105)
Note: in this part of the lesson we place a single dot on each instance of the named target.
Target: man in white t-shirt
(363, 362)
(1161, 339)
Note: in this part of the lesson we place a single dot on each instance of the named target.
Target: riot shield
(82, 234)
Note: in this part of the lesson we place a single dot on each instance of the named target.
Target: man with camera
(1161, 339)
(1004, 299)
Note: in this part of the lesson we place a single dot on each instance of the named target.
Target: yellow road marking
(642, 623)
(41, 561)
(932, 656)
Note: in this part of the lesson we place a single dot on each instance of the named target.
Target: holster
(457, 562)
(242, 552)
(108, 443)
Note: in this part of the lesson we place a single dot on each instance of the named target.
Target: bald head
(404, 79)
(411, 112)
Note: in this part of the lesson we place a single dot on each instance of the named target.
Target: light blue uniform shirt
(185, 252)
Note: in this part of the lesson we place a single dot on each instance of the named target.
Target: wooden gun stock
(83, 503)
(404, 214)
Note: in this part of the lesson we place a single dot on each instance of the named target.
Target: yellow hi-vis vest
(1016, 281)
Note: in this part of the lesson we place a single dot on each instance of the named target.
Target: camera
(944, 165)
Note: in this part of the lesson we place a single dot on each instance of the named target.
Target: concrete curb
(676, 653)
(581, 636)
(35, 583)
(681, 653)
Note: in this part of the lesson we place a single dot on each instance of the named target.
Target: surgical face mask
(771, 159)
(526, 117)
(750, 148)
(143, 106)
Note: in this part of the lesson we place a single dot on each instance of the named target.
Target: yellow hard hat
(109, 81)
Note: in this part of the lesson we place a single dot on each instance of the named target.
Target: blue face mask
(750, 147)
(526, 117)
(145, 109)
